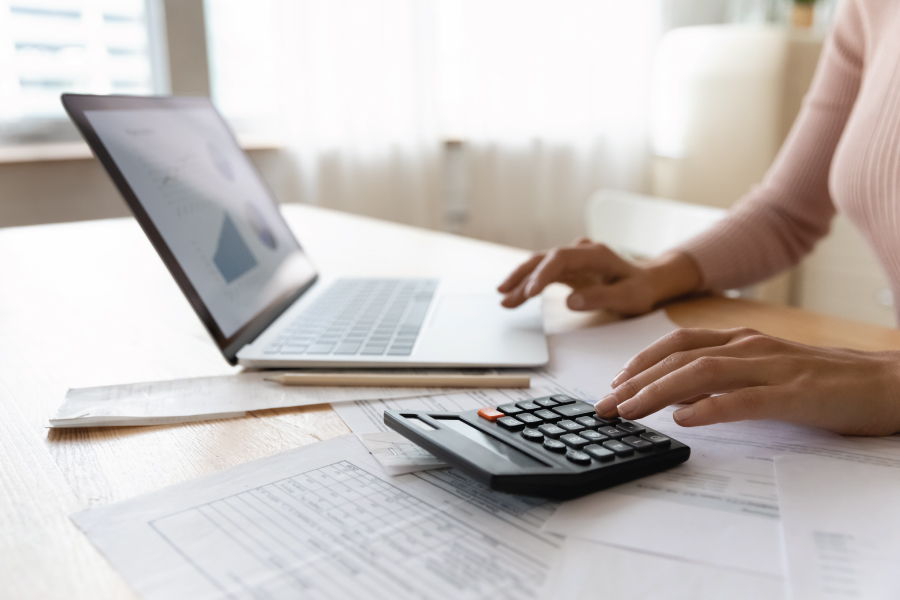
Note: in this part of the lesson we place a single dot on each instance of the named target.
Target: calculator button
(610, 431)
(509, 409)
(619, 448)
(490, 413)
(528, 405)
(589, 422)
(563, 399)
(657, 439)
(574, 441)
(593, 436)
(548, 415)
(638, 444)
(578, 409)
(533, 435)
(599, 452)
(578, 457)
(511, 423)
(554, 445)
(529, 419)
(546, 402)
(632, 428)
(609, 420)
(572, 426)
(551, 431)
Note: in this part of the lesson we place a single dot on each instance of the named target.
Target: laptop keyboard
(367, 317)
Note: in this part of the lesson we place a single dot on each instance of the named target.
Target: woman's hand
(601, 279)
(742, 374)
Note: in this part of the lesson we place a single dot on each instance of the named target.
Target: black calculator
(552, 447)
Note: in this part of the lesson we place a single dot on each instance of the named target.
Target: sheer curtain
(492, 118)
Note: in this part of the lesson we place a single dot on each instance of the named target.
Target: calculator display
(496, 446)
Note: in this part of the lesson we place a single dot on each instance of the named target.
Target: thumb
(619, 296)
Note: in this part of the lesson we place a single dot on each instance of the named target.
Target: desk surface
(90, 304)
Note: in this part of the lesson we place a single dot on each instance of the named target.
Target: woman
(844, 151)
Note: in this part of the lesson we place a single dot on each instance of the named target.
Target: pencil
(401, 380)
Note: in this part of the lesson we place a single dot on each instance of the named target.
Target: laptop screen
(208, 205)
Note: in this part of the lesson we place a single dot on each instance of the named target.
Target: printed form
(324, 522)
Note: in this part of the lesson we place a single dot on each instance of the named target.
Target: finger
(706, 375)
(516, 297)
(617, 296)
(751, 403)
(614, 412)
(682, 340)
(519, 274)
(557, 263)
(583, 242)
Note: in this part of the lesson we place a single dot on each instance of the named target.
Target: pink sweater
(843, 151)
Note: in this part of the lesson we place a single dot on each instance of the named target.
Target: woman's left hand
(741, 374)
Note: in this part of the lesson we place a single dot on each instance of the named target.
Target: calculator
(552, 447)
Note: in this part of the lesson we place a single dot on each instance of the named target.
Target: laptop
(217, 227)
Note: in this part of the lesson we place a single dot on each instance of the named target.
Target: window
(48, 47)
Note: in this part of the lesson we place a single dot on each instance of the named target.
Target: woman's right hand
(600, 278)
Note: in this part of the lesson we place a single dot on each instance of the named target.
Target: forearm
(672, 275)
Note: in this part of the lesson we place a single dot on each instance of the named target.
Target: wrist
(672, 275)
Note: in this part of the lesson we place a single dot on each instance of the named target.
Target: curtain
(491, 118)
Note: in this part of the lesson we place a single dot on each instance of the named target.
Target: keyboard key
(612, 432)
(578, 409)
(554, 445)
(399, 351)
(599, 452)
(347, 349)
(529, 419)
(563, 399)
(593, 436)
(546, 402)
(373, 350)
(551, 431)
(619, 448)
(589, 422)
(638, 444)
(320, 349)
(572, 426)
(533, 435)
(490, 413)
(528, 405)
(609, 420)
(578, 457)
(509, 409)
(511, 423)
(657, 439)
(548, 415)
(574, 441)
(632, 428)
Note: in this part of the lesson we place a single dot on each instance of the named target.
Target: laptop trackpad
(455, 310)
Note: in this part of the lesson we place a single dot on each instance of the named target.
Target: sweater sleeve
(779, 221)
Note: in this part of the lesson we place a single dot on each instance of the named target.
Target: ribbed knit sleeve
(779, 221)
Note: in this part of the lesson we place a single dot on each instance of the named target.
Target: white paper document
(589, 571)
(397, 455)
(324, 522)
(841, 525)
(158, 402)
(719, 508)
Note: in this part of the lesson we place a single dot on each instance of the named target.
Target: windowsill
(64, 151)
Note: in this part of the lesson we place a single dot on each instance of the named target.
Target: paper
(841, 528)
(721, 507)
(224, 396)
(589, 571)
(397, 455)
(324, 521)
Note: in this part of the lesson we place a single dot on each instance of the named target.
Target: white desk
(90, 304)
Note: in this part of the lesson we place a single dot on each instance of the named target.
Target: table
(89, 304)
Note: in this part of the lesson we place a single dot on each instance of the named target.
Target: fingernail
(528, 289)
(618, 379)
(576, 301)
(627, 408)
(605, 405)
(683, 415)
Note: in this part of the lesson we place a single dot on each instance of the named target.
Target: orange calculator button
(490, 413)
